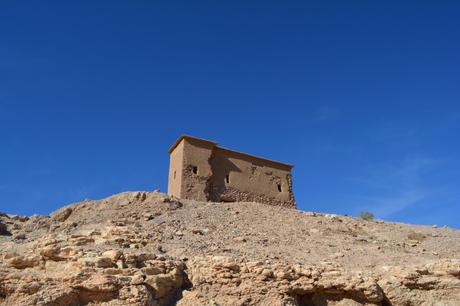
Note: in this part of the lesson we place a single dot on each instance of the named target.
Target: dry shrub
(365, 215)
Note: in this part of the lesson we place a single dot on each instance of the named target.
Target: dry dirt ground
(145, 248)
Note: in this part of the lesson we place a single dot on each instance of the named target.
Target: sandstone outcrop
(145, 248)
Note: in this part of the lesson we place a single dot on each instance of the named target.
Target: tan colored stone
(114, 255)
(22, 262)
(104, 262)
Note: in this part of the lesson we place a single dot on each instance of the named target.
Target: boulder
(62, 214)
(22, 262)
(3, 229)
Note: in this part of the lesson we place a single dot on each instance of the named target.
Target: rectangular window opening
(195, 169)
(279, 187)
(227, 178)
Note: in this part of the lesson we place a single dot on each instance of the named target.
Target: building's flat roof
(190, 137)
(225, 149)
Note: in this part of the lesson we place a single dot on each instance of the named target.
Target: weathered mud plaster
(201, 170)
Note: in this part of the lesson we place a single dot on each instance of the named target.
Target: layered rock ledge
(145, 248)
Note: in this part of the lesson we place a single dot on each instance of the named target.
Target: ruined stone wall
(234, 195)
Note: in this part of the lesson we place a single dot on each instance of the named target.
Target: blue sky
(362, 96)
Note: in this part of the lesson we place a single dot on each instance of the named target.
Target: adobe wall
(211, 173)
(239, 177)
(197, 171)
(176, 165)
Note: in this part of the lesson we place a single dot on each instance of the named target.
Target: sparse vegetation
(416, 236)
(365, 215)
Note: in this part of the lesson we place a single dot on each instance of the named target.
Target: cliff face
(141, 248)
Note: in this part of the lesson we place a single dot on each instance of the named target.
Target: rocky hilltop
(145, 248)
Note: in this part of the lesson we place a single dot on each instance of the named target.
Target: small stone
(158, 221)
(239, 239)
(20, 236)
(86, 262)
(112, 271)
(197, 232)
(267, 273)
(148, 216)
(173, 204)
(137, 280)
(105, 262)
(282, 275)
(121, 264)
(161, 257)
(114, 255)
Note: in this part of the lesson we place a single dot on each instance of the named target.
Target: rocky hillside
(144, 248)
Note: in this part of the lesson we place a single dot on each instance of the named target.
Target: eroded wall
(211, 173)
(197, 171)
(239, 177)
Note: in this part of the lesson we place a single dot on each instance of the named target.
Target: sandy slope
(144, 248)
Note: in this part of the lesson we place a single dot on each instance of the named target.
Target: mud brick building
(201, 170)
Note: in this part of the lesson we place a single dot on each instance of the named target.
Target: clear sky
(362, 96)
